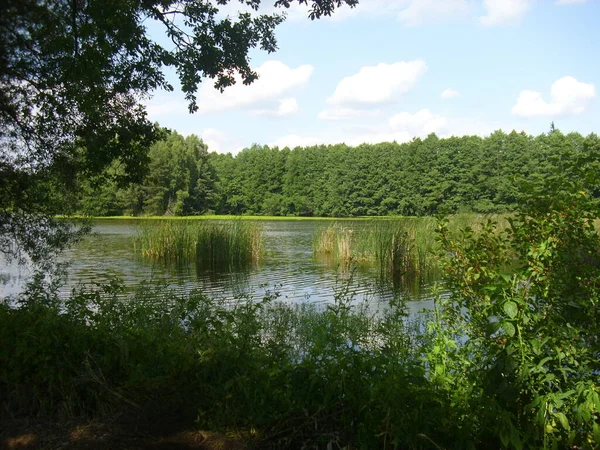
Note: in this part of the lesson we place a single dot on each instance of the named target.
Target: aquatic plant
(209, 244)
(400, 249)
(403, 250)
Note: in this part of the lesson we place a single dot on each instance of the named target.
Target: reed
(403, 250)
(336, 244)
(212, 245)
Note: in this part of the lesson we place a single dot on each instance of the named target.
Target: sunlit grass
(404, 250)
(224, 245)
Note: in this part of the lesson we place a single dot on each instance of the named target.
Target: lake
(288, 267)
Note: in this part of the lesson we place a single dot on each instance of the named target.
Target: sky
(393, 70)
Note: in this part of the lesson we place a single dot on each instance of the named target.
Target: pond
(288, 267)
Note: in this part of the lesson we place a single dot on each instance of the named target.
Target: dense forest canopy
(421, 177)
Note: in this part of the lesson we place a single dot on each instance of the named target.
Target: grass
(215, 245)
(404, 250)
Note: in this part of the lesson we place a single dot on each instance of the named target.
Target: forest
(419, 178)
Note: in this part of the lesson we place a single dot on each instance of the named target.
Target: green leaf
(511, 309)
(563, 421)
(509, 328)
(492, 327)
(596, 432)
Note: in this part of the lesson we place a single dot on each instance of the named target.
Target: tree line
(422, 177)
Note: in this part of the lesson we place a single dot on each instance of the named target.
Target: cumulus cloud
(568, 97)
(294, 12)
(377, 85)
(337, 113)
(449, 93)
(287, 107)
(501, 12)
(275, 81)
(401, 127)
(419, 11)
(163, 105)
(220, 142)
(294, 140)
(408, 12)
(421, 123)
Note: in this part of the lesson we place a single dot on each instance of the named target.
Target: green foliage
(402, 250)
(284, 375)
(521, 325)
(180, 180)
(422, 177)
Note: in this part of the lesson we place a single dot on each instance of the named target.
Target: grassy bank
(251, 218)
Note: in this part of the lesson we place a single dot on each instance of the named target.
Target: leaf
(596, 432)
(492, 327)
(563, 421)
(509, 328)
(515, 439)
(511, 309)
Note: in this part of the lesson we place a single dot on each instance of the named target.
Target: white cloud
(500, 12)
(164, 105)
(401, 127)
(275, 81)
(408, 12)
(287, 107)
(376, 85)
(449, 93)
(568, 95)
(220, 142)
(294, 140)
(569, 2)
(421, 123)
(338, 113)
(294, 12)
(419, 11)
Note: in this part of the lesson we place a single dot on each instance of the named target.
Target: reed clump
(214, 245)
(401, 250)
(404, 251)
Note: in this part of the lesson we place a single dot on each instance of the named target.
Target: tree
(180, 179)
(72, 73)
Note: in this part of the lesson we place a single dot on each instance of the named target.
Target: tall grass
(402, 250)
(213, 245)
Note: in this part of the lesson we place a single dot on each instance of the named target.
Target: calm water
(288, 267)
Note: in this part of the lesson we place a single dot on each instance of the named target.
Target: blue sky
(396, 69)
